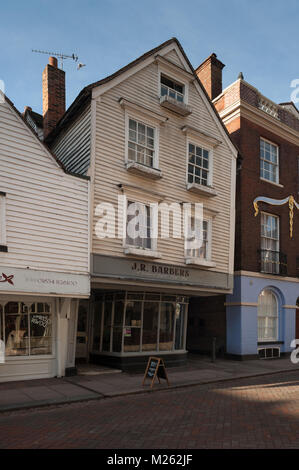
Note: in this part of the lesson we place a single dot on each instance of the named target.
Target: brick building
(261, 313)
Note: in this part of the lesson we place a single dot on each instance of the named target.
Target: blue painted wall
(241, 320)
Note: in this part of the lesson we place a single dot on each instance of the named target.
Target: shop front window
(166, 326)
(140, 322)
(150, 326)
(27, 329)
(107, 326)
(132, 326)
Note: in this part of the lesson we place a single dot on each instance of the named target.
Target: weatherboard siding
(73, 146)
(46, 209)
(109, 171)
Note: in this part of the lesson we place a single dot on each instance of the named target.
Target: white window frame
(3, 240)
(28, 301)
(176, 77)
(270, 340)
(147, 122)
(267, 214)
(209, 241)
(135, 249)
(203, 146)
(262, 177)
(177, 82)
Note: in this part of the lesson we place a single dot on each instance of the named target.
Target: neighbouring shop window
(267, 316)
(27, 329)
(140, 322)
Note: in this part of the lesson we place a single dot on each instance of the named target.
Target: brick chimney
(210, 75)
(53, 95)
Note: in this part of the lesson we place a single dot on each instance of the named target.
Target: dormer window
(172, 88)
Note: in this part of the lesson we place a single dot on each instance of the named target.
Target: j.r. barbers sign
(122, 268)
(162, 269)
(43, 282)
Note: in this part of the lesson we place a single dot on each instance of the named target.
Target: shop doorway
(83, 330)
(207, 325)
(297, 319)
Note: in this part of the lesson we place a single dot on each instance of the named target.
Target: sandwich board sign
(155, 368)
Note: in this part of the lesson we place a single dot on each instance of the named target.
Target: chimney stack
(53, 95)
(210, 75)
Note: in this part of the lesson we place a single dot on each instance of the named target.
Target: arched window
(267, 313)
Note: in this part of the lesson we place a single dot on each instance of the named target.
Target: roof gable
(171, 47)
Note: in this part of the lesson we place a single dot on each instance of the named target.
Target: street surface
(260, 412)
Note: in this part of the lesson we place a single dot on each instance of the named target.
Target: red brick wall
(210, 75)
(249, 186)
(53, 96)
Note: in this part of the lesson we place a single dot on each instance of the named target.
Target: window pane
(97, 325)
(267, 316)
(131, 339)
(118, 313)
(166, 326)
(16, 333)
(133, 314)
(116, 339)
(40, 334)
(150, 326)
(107, 326)
(179, 325)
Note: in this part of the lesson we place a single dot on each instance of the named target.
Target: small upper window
(198, 165)
(141, 143)
(269, 161)
(171, 88)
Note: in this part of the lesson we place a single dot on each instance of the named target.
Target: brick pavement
(33, 393)
(260, 412)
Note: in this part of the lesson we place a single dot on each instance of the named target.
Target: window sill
(3, 248)
(272, 182)
(200, 262)
(266, 343)
(176, 106)
(143, 170)
(201, 189)
(143, 252)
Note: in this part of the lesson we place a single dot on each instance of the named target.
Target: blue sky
(257, 37)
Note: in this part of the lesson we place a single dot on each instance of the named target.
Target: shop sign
(123, 268)
(43, 282)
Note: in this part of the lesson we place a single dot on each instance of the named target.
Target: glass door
(82, 331)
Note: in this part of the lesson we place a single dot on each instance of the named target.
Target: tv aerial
(60, 56)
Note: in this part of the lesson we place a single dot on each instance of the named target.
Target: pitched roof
(84, 96)
(21, 116)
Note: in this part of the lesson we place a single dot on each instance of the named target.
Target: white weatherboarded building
(44, 262)
(150, 133)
